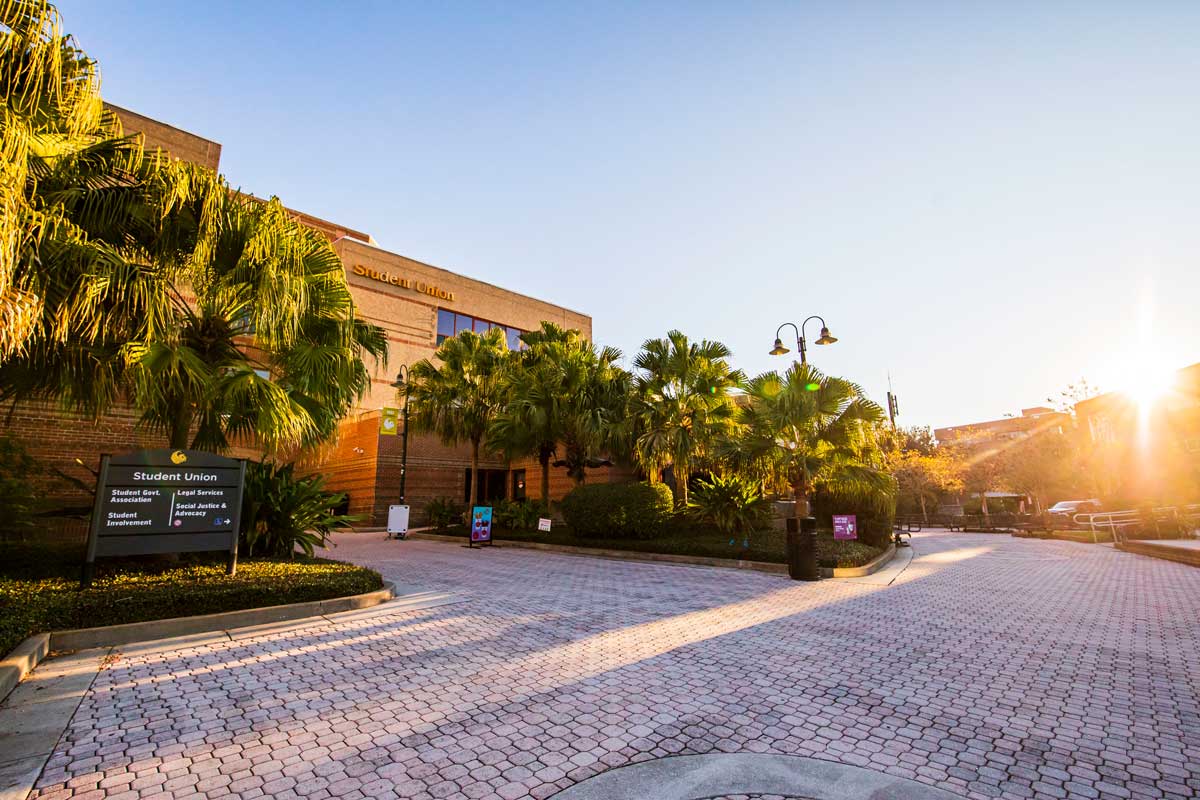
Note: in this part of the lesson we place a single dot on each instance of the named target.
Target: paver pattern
(992, 667)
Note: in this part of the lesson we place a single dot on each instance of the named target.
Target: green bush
(734, 504)
(875, 518)
(516, 515)
(843, 552)
(443, 512)
(618, 510)
(17, 495)
(39, 587)
(281, 511)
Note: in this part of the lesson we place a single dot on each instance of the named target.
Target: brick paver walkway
(992, 667)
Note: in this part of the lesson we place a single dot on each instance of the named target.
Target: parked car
(1064, 511)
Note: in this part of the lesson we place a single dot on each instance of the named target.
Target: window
(445, 328)
(450, 324)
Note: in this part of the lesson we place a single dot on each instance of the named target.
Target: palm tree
(458, 398)
(77, 243)
(269, 347)
(596, 390)
(681, 405)
(249, 332)
(561, 391)
(811, 431)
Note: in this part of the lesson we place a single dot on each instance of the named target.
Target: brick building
(1032, 421)
(415, 303)
(1149, 449)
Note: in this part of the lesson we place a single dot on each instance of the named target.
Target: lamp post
(802, 530)
(801, 345)
(401, 382)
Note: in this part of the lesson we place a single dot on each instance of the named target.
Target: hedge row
(39, 588)
(618, 510)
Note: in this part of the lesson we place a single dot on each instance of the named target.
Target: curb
(874, 565)
(22, 661)
(1178, 555)
(112, 635)
(619, 555)
(29, 653)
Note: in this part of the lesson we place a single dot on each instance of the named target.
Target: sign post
(481, 525)
(845, 526)
(165, 501)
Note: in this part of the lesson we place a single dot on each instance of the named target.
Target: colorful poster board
(845, 526)
(543, 524)
(388, 421)
(481, 524)
(165, 501)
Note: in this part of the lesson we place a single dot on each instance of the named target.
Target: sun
(1147, 381)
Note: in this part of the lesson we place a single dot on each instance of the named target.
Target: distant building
(1038, 419)
(1149, 451)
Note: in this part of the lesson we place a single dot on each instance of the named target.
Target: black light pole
(802, 531)
(402, 382)
(801, 344)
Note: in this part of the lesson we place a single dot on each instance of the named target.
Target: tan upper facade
(175, 142)
(413, 303)
(400, 294)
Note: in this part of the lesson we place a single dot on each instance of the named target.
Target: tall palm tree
(249, 332)
(76, 240)
(681, 405)
(531, 421)
(458, 398)
(596, 390)
(812, 431)
(268, 346)
(561, 392)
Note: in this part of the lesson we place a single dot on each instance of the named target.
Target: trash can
(802, 549)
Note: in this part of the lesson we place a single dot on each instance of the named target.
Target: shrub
(875, 517)
(443, 512)
(39, 587)
(734, 504)
(281, 511)
(618, 510)
(517, 515)
(17, 495)
(843, 553)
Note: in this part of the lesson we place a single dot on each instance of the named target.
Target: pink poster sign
(845, 526)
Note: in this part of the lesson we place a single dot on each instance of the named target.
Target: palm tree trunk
(681, 483)
(800, 494)
(181, 426)
(544, 460)
(474, 474)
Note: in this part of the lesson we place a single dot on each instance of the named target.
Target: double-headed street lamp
(802, 530)
(826, 338)
(401, 382)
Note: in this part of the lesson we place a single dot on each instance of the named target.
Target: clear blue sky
(978, 197)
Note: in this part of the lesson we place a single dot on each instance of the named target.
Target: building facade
(418, 305)
(1148, 450)
(1032, 421)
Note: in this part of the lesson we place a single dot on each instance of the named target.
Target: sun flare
(1148, 382)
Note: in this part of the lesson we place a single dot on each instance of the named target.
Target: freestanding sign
(398, 521)
(481, 524)
(165, 501)
(845, 526)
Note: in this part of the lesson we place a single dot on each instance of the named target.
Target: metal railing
(1117, 524)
